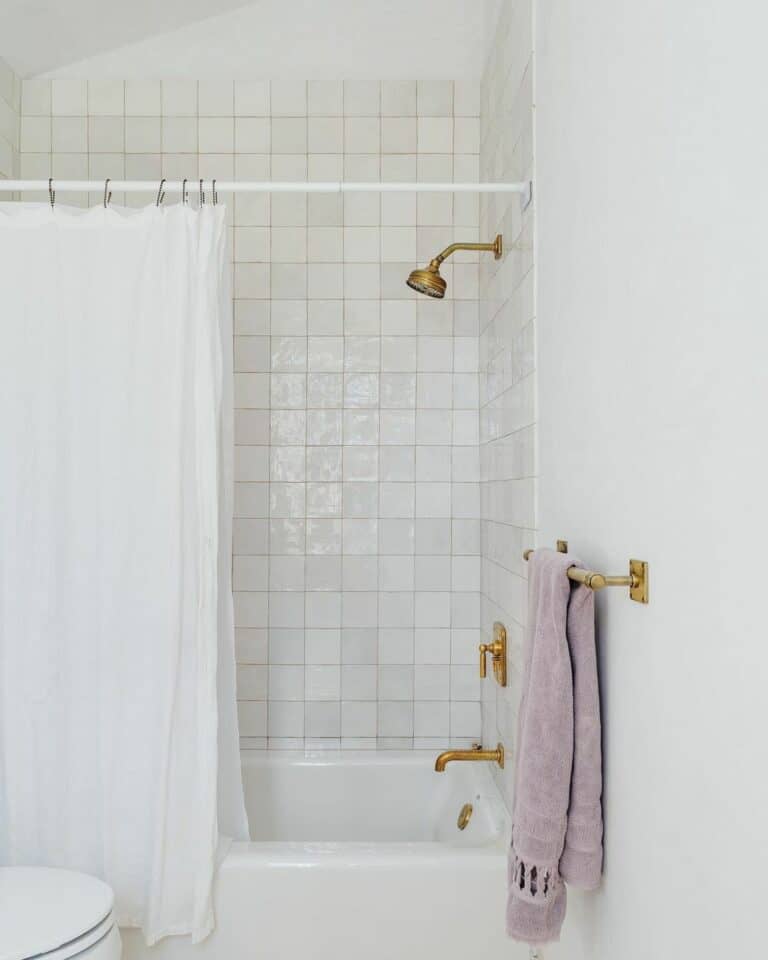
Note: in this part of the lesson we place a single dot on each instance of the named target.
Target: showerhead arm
(496, 247)
(429, 282)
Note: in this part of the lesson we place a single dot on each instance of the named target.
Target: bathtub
(358, 855)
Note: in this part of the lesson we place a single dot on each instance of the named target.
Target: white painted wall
(274, 38)
(46, 34)
(652, 309)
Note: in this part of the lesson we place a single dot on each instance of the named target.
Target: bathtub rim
(343, 854)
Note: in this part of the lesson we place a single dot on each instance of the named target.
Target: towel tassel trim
(533, 882)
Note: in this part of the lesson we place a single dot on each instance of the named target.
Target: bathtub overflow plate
(465, 815)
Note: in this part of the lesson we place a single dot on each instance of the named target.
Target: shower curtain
(118, 736)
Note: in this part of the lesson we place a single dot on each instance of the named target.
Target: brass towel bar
(637, 581)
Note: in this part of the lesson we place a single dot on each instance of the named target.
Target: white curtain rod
(253, 186)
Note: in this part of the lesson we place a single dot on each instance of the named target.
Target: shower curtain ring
(184, 192)
(160, 193)
(213, 191)
(107, 193)
(51, 192)
(202, 194)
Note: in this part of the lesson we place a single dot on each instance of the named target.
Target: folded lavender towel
(557, 832)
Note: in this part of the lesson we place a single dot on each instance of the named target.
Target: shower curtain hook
(51, 192)
(184, 192)
(213, 191)
(160, 193)
(202, 194)
(107, 193)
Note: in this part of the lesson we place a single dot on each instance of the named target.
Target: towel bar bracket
(638, 589)
(637, 581)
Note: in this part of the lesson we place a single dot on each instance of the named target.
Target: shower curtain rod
(254, 186)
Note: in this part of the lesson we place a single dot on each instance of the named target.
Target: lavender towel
(557, 832)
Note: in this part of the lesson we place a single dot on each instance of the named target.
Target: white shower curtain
(118, 756)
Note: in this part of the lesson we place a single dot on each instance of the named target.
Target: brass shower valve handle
(498, 650)
(486, 648)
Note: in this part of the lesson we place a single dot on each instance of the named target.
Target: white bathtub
(358, 855)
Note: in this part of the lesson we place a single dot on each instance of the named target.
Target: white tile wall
(507, 361)
(357, 503)
(10, 109)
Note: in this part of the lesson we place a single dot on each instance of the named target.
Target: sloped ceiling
(37, 36)
(319, 38)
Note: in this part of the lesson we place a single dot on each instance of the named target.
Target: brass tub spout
(476, 753)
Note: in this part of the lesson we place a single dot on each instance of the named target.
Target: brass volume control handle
(498, 650)
(495, 649)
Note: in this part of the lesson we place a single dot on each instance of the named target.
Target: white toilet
(59, 914)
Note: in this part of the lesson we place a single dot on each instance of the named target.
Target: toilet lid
(42, 909)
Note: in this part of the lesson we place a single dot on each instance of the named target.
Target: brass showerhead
(429, 282)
